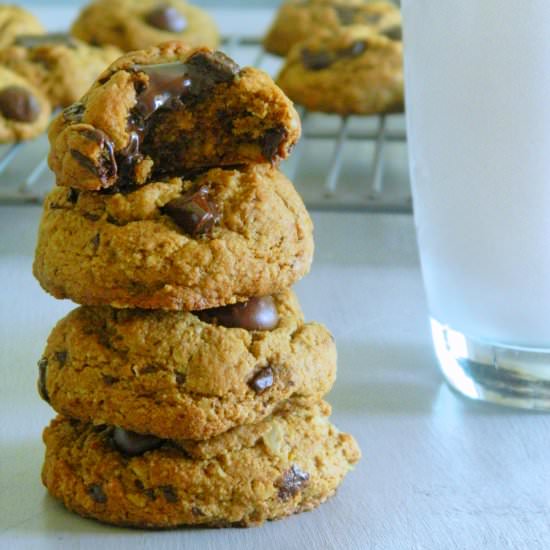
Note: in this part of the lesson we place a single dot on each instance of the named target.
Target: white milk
(478, 113)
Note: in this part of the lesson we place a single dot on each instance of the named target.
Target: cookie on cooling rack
(24, 110)
(138, 24)
(288, 463)
(216, 239)
(354, 72)
(58, 64)
(299, 20)
(15, 21)
(167, 111)
(182, 375)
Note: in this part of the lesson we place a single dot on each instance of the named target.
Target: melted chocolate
(105, 167)
(134, 444)
(36, 40)
(323, 59)
(17, 103)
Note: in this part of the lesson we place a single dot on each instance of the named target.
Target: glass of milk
(477, 76)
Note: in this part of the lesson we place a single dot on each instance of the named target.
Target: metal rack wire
(341, 163)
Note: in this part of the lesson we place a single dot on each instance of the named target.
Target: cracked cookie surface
(174, 375)
(221, 238)
(15, 21)
(138, 24)
(353, 72)
(286, 464)
(168, 111)
(299, 20)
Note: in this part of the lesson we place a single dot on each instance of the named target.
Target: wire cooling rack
(341, 163)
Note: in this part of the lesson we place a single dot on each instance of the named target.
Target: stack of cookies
(188, 385)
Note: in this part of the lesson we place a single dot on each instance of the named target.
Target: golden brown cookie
(299, 20)
(222, 237)
(353, 72)
(58, 64)
(15, 21)
(167, 111)
(24, 110)
(179, 375)
(138, 24)
(289, 463)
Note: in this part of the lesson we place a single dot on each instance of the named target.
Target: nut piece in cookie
(139, 24)
(299, 20)
(24, 111)
(355, 71)
(169, 111)
(15, 21)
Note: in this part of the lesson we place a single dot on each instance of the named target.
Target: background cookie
(138, 24)
(293, 464)
(353, 72)
(252, 237)
(58, 64)
(15, 21)
(299, 20)
(174, 376)
(24, 111)
(166, 111)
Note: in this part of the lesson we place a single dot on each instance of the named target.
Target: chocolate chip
(166, 18)
(194, 212)
(74, 112)
(42, 374)
(316, 60)
(17, 103)
(61, 357)
(139, 484)
(393, 33)
(35, 40)
(180, 378)
(262, 380)
(134, 444)
(72, 195)
(271, 141)
(97, 494)
(255, 314)
(346, 14)
(109, 380)
(169, 493)
(292, 481)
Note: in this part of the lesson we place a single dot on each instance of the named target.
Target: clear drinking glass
(477, 76)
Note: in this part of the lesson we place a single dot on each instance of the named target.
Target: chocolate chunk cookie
(219, 238)
(24, 110)
(289, 463)
(167, 111)
(15, 21)
(180, 375)
(58, 64)
(353, 72)
(138, 24)
(299, 20)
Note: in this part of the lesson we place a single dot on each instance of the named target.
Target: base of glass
(511, 376)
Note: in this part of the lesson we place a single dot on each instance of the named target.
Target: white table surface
(439, 472)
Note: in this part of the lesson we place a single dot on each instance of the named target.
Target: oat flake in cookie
(290, 462)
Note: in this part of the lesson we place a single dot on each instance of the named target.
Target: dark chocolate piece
(73, 113)
(97, 494)
(42, 373)
(316, 60)
(293, 481)
(54, 38)
(109, 380)
(17, 103)
(262, 380)
(194, 212)
(107, 166)
(254, 314)
(72, 195)
(271, 141)
(134, 444)
(166, 18)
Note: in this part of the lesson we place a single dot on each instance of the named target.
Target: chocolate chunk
(42, 373)
(72, 195)
(262, 380)
(180, 378)
(166, 18)
(109, 380)
(74, 112)
(271, 141)
(254, 314)
(134, 444)
(346, 14)
(35, 40)
(316, 60)
(17, 103)
(293, 481)
(393, 33)
(97, 494)
(194, 212)
(106, 166)
(169, 493)
(61, 357)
